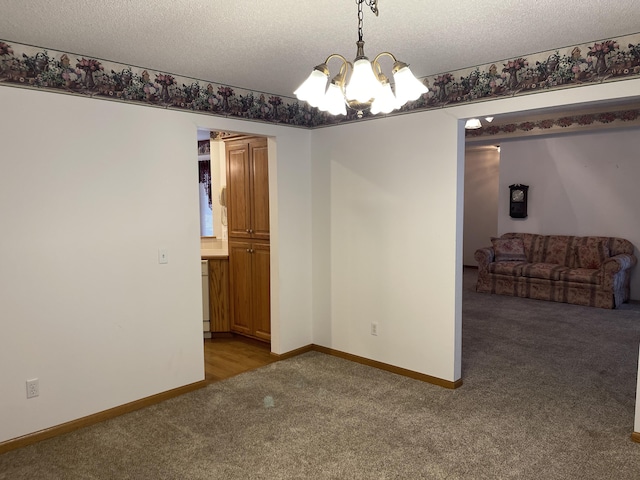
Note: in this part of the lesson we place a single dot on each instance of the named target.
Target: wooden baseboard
(635, 436)
(391, 368)
(293, 353)
(222, 335)
(97, 417)
(373, 363)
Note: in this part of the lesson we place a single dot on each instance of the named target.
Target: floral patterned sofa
(592, 271)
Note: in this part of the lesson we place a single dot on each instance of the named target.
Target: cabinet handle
(248, 250)
(248, 231)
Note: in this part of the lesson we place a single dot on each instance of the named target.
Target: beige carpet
(548, 393)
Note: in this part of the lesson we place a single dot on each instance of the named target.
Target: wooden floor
(226, 357)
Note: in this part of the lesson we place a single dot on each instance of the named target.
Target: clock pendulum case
(518, 200)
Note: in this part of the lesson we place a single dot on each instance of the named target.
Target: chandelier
(367, 87)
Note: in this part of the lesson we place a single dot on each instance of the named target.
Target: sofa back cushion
(558, 249)
(591, 255)
(562, 249)
(545, 248)
(508, 249)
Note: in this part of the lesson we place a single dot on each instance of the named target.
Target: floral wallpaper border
(34, 67)
(628, 117)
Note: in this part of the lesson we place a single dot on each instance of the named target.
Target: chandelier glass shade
(360, 85)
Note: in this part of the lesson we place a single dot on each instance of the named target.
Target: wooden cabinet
(248, 223)
(250, 290)
(219, 312)
(206, 324)
(248, 188)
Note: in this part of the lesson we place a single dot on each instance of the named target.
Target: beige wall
(386, 205)
(481, 173)
(89, 191)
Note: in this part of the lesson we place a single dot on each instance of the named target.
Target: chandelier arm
(378, 69)
(336, 55)
(340, 78)
(393, 57)
(343, 70)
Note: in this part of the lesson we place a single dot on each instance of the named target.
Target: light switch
(163, 256)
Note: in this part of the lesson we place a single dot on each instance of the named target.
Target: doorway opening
(234, 193)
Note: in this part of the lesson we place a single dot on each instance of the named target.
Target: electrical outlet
(374, 328)
(33, 388)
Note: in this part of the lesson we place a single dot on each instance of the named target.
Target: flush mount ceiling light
(472, 124)
(367, 87)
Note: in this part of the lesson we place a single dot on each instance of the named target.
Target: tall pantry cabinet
(248, 226)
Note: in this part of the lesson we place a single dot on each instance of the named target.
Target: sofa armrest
(484, 256)
(618, 263)
(615, 275)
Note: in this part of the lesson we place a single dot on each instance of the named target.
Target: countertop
(212, 248)
(213, 253)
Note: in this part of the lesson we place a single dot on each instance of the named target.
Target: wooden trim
(293, 353)
(97, 417)
(372, 363)
(635, 436)
(222, 335)
(390, 368)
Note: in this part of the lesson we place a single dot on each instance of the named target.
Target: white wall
(579, 184)
(89, 190)
(387, 230)
(385, 240)
(481, 173)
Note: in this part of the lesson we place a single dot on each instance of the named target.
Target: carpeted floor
(548, 393)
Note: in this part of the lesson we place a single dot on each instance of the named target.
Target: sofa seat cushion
(582, 275)
(547, 271)
(507, 268)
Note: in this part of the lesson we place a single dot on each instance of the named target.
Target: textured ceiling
(271, 46)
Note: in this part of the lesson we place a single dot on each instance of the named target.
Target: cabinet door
(259, 158)
(238, 189)
(219, 294)
(261, 291)
(240, 277)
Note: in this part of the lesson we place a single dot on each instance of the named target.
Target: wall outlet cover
(33, 388)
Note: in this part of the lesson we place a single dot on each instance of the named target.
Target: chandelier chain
(373, 4)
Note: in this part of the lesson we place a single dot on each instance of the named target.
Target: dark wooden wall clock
(518, 200)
